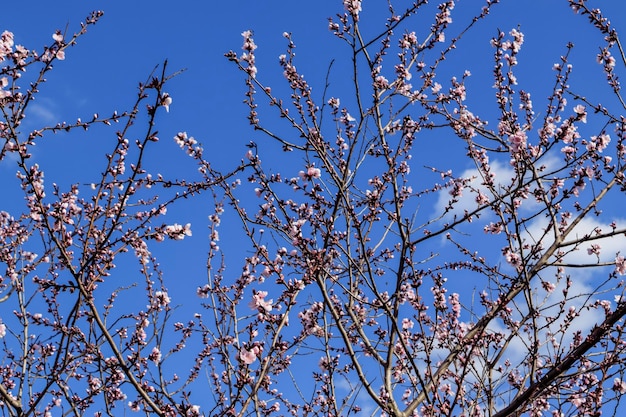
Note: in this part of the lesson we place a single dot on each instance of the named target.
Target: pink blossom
(407, 324)
(569, 151)
(4, 81)
(323, 363)
(606, 58)
(517, 141)
(513, 259)
(155, 355)
(381, 82)
(619, 385)
(6, 44)
(606, 305)
(314, 172)
(577, 400)
(408, 40)
(599, 143)
(166, 101)
(334, 102)
(594, 249)
(482, 199)
(494, 228)
(353, 7)
(203, 292)
(248, 42)
(193, 411)
(548, 286)
(3, 330)
(7, 39)
(275, 407)
(581, 112)
(178, 232)
(620, 265)
(161, 299)
(249, 356)
(248, 56)
(259, 302)
(568, 131)
(518, 40)
(407, 393)
(456, 304)
(310, 173)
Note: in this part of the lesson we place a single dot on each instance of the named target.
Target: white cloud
(503, 174)
(42, 112)
(582, 290)
(503, 177)
(363, 400)
(586, 227)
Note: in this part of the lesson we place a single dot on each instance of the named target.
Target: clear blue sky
(101, 73)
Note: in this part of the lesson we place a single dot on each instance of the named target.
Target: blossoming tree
(377, 280)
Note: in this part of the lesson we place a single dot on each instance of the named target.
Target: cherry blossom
(619, 385)
(620, 265)
(155, 356)
(166, 101)
(161, 299)
(353, 7)
(474, 283)
(518, 141)
(249, 356)
(259, 302)
(594, 249)
(581, 113)
(177, 231)
(193, 411)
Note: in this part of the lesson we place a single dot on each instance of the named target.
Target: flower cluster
(6, 44)
(177, 231)
(310, 173)
(260, 303)
(620, 265)
(248, 56)
(249, 356)
(161, 299)
(353, 7)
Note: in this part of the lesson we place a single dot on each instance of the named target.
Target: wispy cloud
(42, 112)
(467, 201)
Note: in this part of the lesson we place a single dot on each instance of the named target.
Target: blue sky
(101, 73)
